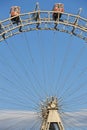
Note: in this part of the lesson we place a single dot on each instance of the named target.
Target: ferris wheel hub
(50, 115)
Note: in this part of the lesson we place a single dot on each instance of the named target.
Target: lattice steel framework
(69, 23)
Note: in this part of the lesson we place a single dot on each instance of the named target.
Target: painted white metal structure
(69, 23)
(51, 119)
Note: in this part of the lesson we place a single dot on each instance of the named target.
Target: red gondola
(59, 9)
(15, 11)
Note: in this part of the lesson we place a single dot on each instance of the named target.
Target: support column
(50, 115)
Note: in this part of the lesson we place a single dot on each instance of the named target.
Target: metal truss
(69, 23)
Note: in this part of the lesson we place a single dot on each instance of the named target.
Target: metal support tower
(50, 116)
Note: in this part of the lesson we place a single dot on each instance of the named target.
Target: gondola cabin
(59, 9)
(15, 11)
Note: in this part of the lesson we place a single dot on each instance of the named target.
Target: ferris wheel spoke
(43, 62)
(80, 97)
(73, 67)
(79, 76)
(18, 98)
(52, 67)
(20, 121)
(33, 63)
(25, 92)
(67, 52)
(41, 47)
(74, 119)
(20, 101)
(78, 89)
(4, 62)
(35, 124)
(25, 71)
(18, 105)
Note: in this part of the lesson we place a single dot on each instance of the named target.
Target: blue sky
(70, 6)
(39, 64)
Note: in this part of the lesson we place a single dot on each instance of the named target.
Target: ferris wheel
(43, 70)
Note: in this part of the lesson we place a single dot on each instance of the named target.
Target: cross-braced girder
(69, 23)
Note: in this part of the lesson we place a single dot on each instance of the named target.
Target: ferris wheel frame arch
(69, 23)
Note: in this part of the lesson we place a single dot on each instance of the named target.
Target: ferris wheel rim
(45, 23)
